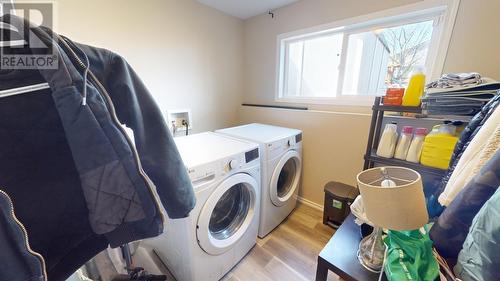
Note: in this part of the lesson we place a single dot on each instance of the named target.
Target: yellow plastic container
(415, 89)
(437, 150)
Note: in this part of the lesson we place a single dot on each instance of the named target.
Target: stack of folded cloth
(458, 94)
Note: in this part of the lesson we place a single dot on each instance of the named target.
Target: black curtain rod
(275, 106)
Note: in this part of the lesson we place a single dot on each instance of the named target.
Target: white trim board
(310, 203)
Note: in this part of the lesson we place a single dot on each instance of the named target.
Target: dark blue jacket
(17, 260)
(76, 180)
(451, 228)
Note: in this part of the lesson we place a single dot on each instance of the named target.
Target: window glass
(362, 59)
(294, 68)
(312, 67)
(385, 57)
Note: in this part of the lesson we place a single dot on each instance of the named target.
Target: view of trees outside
(375, 60)
(408, 46)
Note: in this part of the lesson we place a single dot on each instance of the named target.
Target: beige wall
(333, 144)
(189, 55)
(192, 56)
(475, 40)
(334, 141)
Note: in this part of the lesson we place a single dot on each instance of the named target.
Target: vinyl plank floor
(289, 252)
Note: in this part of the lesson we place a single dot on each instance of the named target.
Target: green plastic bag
(410, 257)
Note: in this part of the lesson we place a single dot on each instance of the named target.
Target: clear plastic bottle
(388, 141)
(404, 143)
(417, 142)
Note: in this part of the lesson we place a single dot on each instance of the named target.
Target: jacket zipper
(27, 243)
(114, 117)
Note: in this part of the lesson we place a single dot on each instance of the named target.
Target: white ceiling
(245, 9)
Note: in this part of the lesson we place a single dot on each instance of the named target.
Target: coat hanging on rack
(76, 181)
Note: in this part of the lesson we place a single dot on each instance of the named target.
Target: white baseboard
(310, 203)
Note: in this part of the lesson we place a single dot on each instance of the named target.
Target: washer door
(227, 214)
(285, 178)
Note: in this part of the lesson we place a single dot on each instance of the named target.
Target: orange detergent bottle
(415, 89)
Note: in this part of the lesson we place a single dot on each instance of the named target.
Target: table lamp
(394, 199)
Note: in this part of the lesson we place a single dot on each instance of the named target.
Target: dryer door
(286, 178)
(227, 214)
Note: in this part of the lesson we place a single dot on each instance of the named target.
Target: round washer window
(286, 177)
(230, 212)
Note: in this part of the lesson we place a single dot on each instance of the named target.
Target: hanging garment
(492, 146)
(479, 259)
(451, 228)
(475, 124)
(17, 260)
(472, 157)
(77, 181)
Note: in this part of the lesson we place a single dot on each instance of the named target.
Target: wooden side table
(340, 255)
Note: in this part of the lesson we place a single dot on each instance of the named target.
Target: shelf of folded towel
(458, 94)
(418, 112)
(396, 162)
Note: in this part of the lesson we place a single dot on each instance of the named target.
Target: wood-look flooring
(288, 253)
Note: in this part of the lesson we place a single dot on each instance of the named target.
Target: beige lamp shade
(401, 207)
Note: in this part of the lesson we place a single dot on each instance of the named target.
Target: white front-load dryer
(223, 226)
(281, 158)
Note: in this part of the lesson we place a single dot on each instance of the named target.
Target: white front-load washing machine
(281, 158)
(223, 225)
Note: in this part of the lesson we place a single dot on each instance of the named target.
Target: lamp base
(371, 251)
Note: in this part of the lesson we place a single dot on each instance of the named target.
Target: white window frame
(444, 11)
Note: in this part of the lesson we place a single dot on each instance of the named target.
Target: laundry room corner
(240, 140)
(335, 133)
(334, 143)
